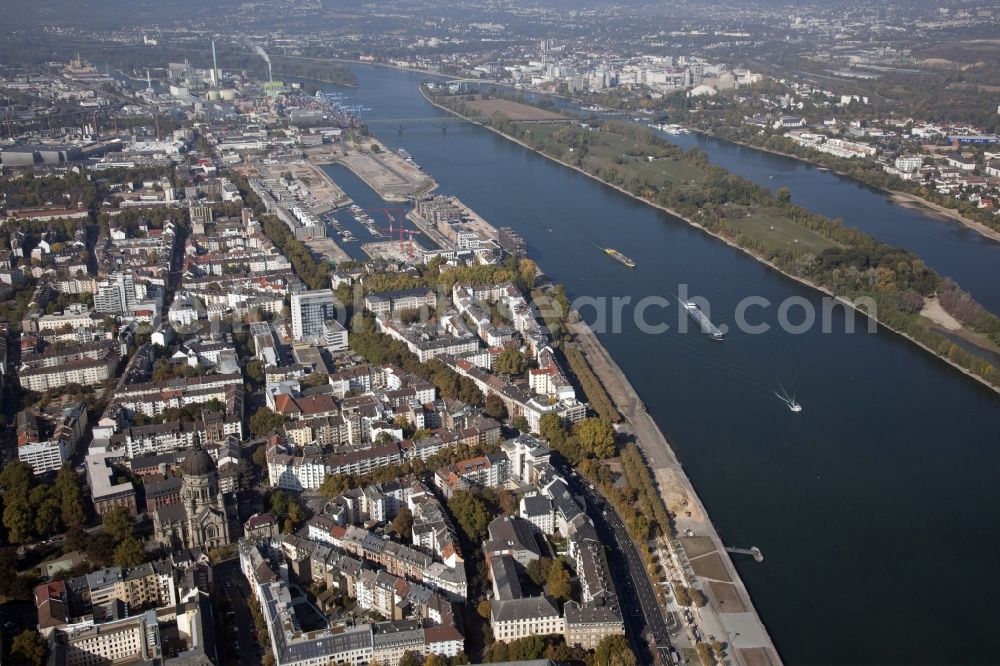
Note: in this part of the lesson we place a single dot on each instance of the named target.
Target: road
(234, 586)
(644, 615)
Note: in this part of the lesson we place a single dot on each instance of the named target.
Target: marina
(670, 129)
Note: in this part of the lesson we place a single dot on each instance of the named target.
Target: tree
(552, 428)
(783, 196)
(435, 660)
(597, 436)
(48, 517)
(259, 457)
(558, 583)
(521, 423)
(8, 569)
(28, 648)
(17, 478)
(614, 651)
(279, 503)
(471, 514)
(509, 362)
(704, 654)
(538, 570)
(483, 608)
(101, 549)
(316, 379)
(507, 501)
(494, 406)
(17, 518)
(402, 524)
(335, 485)
(118, 523)
(255, 371)
(375, 148)
(410, 658)
(681, 595)
(129, 553)
(67, 487)
(265, 421)
(76, 538)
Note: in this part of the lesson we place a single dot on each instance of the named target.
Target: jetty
(753, 552)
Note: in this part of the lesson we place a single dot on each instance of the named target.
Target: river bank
(901, 198)
(847, 303)
(740, 624)
(751, 638)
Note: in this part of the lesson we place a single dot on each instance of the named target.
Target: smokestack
(263, 54)
(215, 67)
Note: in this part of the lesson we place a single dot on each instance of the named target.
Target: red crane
(398, 213)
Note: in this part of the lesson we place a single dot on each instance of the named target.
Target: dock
(753, 552)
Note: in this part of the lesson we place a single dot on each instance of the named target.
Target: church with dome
(200, 519)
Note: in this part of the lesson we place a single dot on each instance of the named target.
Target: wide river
(876, 507)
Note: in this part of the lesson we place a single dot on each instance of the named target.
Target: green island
(725, 118)
(816, 250)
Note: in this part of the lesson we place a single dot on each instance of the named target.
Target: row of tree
(592, 437)
(611, 651)
(316, 274)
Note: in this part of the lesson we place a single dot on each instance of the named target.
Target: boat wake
(789, 400)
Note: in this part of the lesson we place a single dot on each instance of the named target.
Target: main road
(637, 586)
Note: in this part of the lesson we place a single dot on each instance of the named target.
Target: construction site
(391, 176)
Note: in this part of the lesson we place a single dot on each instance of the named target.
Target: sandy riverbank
(734, 245)
(932, 310)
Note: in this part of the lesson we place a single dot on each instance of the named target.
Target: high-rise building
(200, 216)
(310, 309)
(116, 295)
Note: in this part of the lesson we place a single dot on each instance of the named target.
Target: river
(874, 507)
(948, 246)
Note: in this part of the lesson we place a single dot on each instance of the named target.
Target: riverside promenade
(729, 615)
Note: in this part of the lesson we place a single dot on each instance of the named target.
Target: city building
(104, 492)
(310, 311)
(116, 295)
(200, 519)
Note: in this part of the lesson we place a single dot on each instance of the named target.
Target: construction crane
(401, 227)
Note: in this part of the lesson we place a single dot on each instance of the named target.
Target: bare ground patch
(727, 597)
(697, 546)
(673, 488)
(757, 657)
(514, 111)
(710, 566)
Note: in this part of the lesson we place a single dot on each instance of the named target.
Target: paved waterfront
(737, 624)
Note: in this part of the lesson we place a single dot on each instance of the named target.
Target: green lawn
(773, 230)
